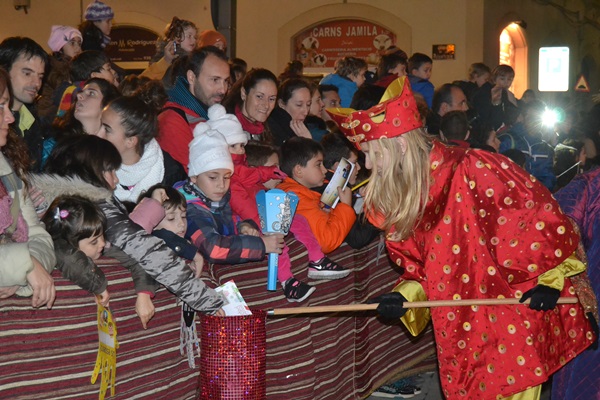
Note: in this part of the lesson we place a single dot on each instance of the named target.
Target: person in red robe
(468, 224)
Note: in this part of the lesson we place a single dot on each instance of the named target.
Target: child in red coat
(246, 181)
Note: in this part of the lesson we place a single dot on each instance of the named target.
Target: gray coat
(153, 255)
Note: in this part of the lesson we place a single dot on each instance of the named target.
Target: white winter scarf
(138, 177)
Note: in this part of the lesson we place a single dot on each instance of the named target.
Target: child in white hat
(220, 236)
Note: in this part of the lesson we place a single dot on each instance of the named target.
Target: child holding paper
(302, 161)
(336, 146)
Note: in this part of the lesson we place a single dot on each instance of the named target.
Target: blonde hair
(399, 193)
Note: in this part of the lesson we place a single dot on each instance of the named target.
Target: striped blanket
(50, 354)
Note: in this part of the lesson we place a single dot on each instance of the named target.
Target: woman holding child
(86, 166)
(25, 247)
(468, 224)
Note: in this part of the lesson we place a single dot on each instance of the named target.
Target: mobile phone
(174, 46)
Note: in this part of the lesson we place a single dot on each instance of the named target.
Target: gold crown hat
(396, 114)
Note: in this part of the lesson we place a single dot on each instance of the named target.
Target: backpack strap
(189, 119)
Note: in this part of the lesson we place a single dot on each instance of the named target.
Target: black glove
(543, 298)
(390, 305)
(594, 324)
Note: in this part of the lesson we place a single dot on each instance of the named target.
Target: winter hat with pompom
(98, 11)
(208, 151)
(227, 124)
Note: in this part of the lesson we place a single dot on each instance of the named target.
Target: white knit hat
(208, 151)
(227, 124)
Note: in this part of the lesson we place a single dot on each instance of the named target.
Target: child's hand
(197, 264)
(220, 313)
(39, 201)
(170, 54)
(300, 129)
(103, 298)
(247, 229)
(345, 195)
(144, 308)
(273, 243)
(7, 291)
(496, 95)
(279, 174)
(160, 195)
(272, 183)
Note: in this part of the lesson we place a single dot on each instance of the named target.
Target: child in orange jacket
(302, 161)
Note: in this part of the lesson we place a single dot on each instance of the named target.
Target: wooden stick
(407, 304)
(357, 186)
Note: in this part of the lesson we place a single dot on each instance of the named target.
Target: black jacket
(34, 137)
(279, 125)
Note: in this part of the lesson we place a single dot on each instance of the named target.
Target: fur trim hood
(53, 186)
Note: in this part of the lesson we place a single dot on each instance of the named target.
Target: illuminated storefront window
(507, 49)
(513, 52)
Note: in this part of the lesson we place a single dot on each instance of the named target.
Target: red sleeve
(242, 202)
(174, 136)
(267, 173)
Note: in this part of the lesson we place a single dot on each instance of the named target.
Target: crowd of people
(164, 166)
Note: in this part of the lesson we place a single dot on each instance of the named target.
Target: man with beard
(203, 81)
(25, 61)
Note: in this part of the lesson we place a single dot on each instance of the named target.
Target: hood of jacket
(53, 186)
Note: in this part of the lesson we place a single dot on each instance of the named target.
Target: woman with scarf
(130, 124)
(252, 100)
(26, 248)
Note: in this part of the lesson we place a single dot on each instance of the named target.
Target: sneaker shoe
(386, 391)
(405, 388)
(296, 290)
(326, 269)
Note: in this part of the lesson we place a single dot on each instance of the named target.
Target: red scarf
(253, 128)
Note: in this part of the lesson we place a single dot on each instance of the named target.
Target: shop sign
(320, 46)
(130, 43)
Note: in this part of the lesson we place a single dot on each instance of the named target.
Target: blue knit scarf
(181, 95)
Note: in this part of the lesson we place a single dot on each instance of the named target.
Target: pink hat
(61, 35)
